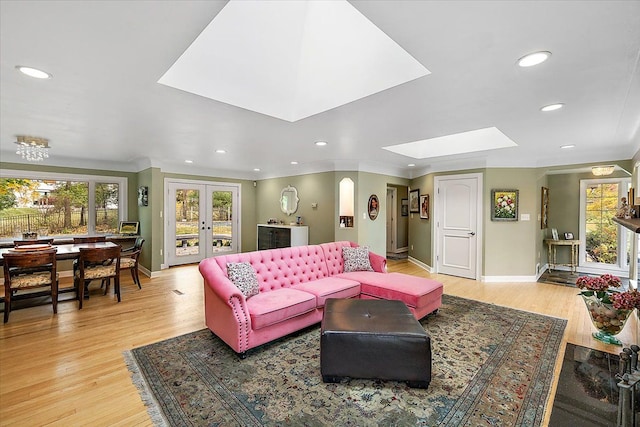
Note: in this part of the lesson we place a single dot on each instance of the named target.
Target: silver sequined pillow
(356, 259)
(244, 277)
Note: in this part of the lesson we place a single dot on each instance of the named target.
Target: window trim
(91, 180)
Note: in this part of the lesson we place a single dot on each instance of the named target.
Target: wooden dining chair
(97, 264)
(26, 271)
(129, 260)
(18, 243)
(89, 239)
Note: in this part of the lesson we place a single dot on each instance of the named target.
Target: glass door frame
(622, 267)
(206, 189)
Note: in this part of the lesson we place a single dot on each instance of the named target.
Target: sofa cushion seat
(330, 287)
(413, 291)
(268, 308)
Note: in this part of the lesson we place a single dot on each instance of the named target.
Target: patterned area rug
(492, 366)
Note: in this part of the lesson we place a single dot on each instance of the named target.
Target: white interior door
(459, 210)
(202, 220)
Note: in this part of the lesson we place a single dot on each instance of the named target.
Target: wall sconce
(346, 202)
(602, 170)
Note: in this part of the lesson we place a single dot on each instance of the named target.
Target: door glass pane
(187, 218)
(601, 231)
(107, 205)
(221, 229)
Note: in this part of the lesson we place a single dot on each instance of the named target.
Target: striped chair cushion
(98, 272)
(31, 280)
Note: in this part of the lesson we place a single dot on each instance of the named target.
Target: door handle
(471, 233)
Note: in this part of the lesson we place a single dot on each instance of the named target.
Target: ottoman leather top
(362, 316)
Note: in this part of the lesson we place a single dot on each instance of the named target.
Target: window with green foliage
(601, 231)
(604, 244)
(59, 205)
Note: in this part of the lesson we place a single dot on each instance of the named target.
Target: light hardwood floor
(68, 369)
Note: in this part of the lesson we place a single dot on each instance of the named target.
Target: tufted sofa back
(333, 256)
(282, 268)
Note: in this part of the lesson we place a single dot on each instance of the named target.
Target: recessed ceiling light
(33, 72)
(321, 143)
(221, 151)
(411, 165)
(534, 58)
(552, 107)
(294, 163)
(568, 146)
(188, 161)
(256, 169)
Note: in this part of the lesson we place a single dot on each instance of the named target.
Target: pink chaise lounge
(293, 286)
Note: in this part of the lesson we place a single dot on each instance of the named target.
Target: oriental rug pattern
(492, 366)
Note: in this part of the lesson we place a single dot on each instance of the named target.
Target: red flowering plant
(605, 289)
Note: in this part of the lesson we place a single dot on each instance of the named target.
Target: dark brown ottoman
(373, 339)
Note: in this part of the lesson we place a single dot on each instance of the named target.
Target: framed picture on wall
(424, 206)
(544, 208)
(373, 207)
(414, 201)
(504, 205)
(404, 207)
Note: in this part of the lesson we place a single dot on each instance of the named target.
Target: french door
(202, 220)
(604, 246)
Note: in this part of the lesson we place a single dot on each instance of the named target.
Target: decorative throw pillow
(356, 259)
(244, 277)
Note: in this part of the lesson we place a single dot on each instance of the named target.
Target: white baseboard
(502, 279)
(421, 264)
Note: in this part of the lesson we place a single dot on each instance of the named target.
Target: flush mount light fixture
(220, 151)
(33, 72)
(188, 161)
(534, 58)
(566, 147)
(32, 148)
(294, 163)
(321, 143)
(602, 170)
(256, 169)
(552, 107)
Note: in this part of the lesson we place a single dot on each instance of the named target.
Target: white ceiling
(104, 107)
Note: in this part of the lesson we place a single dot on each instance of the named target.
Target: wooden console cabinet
(272, 236)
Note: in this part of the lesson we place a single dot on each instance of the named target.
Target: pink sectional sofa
(294, 284)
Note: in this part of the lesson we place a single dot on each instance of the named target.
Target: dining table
(67, 251)
(64, 251)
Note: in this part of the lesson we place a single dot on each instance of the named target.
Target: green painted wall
(146, 218)
(312, 188)
(510, 246)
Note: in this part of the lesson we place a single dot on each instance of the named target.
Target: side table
(552, 246)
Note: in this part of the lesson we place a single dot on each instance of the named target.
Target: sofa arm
(378, 262)
(226, 312)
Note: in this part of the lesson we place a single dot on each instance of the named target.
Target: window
(53, 204)
(603, 246)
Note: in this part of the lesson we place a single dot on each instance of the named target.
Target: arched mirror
(289, 200)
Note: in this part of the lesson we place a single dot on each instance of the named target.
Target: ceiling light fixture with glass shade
(32, 148)
(534, 58)
(603, 170)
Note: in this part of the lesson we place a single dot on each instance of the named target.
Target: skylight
(291, 59)
(465, 142)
